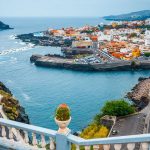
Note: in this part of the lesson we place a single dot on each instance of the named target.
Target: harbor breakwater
(53, 61)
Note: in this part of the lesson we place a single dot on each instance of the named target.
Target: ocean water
(41, 90)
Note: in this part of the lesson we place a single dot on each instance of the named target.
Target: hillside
(140, 15)
(4, 26)
(13, 110)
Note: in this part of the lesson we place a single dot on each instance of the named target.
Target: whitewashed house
(147, 38)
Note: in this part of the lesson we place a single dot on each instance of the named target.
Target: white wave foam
(15, 50)
(13, 59)
(9, 81)
(12, 37)
(2, 62)
(22, 43)
(26, 97)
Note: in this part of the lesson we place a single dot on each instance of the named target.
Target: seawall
(56, 62)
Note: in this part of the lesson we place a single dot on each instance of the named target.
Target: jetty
(53, 61)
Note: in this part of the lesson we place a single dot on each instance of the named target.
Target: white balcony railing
(37, 138)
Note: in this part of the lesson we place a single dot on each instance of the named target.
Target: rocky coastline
(140, 94)
(11, 107)
(4, 26)
(46, 40)
(53, 61)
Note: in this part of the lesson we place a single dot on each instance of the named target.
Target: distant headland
(4, 26)
(134, 16)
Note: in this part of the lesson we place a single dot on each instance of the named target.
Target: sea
(40, 90)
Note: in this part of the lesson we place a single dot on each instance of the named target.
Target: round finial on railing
(63, 118)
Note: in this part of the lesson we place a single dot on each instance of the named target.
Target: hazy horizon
(70, 8)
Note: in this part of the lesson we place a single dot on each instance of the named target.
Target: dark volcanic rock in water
(140, 15)
(11, 106)
(4, 26)
(142, 79)
(45, 40)
(23, 117)
(34, 58)
(140, 94)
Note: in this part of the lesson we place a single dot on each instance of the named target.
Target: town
(75, 75)
(117, 42)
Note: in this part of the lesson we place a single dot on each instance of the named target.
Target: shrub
(147, 54)
(62, 113)
(94, 131)
(97, 118)
(133, 63)
(117, 108)
(133, 35)
(3, 93)
(103, 132)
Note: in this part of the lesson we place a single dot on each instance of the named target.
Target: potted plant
(63, 118)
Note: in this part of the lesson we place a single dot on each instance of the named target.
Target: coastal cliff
(58, 62)
(4, 26)
(11, 106)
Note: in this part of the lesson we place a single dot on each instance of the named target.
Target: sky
(70, 8)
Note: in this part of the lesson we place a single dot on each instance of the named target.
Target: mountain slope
(140, 15)
(4, 26)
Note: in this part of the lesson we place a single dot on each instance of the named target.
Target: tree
(133, 64)
(117, 108)
(147, 54)
(133, 35)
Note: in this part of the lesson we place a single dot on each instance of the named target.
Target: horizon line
(99, 16)
(51, 17)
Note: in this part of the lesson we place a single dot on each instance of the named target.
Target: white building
(104, 37)
(123, 38)
(147, 22)
(82, 44)
(125, 50)
(147, 38)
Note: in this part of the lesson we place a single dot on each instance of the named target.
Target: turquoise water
(41, 90)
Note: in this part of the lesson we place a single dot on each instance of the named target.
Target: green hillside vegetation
(112, 108)
(10, 105)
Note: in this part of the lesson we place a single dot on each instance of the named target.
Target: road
(103, 54)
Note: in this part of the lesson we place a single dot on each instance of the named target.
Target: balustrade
(42, 138)
(11, 131)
